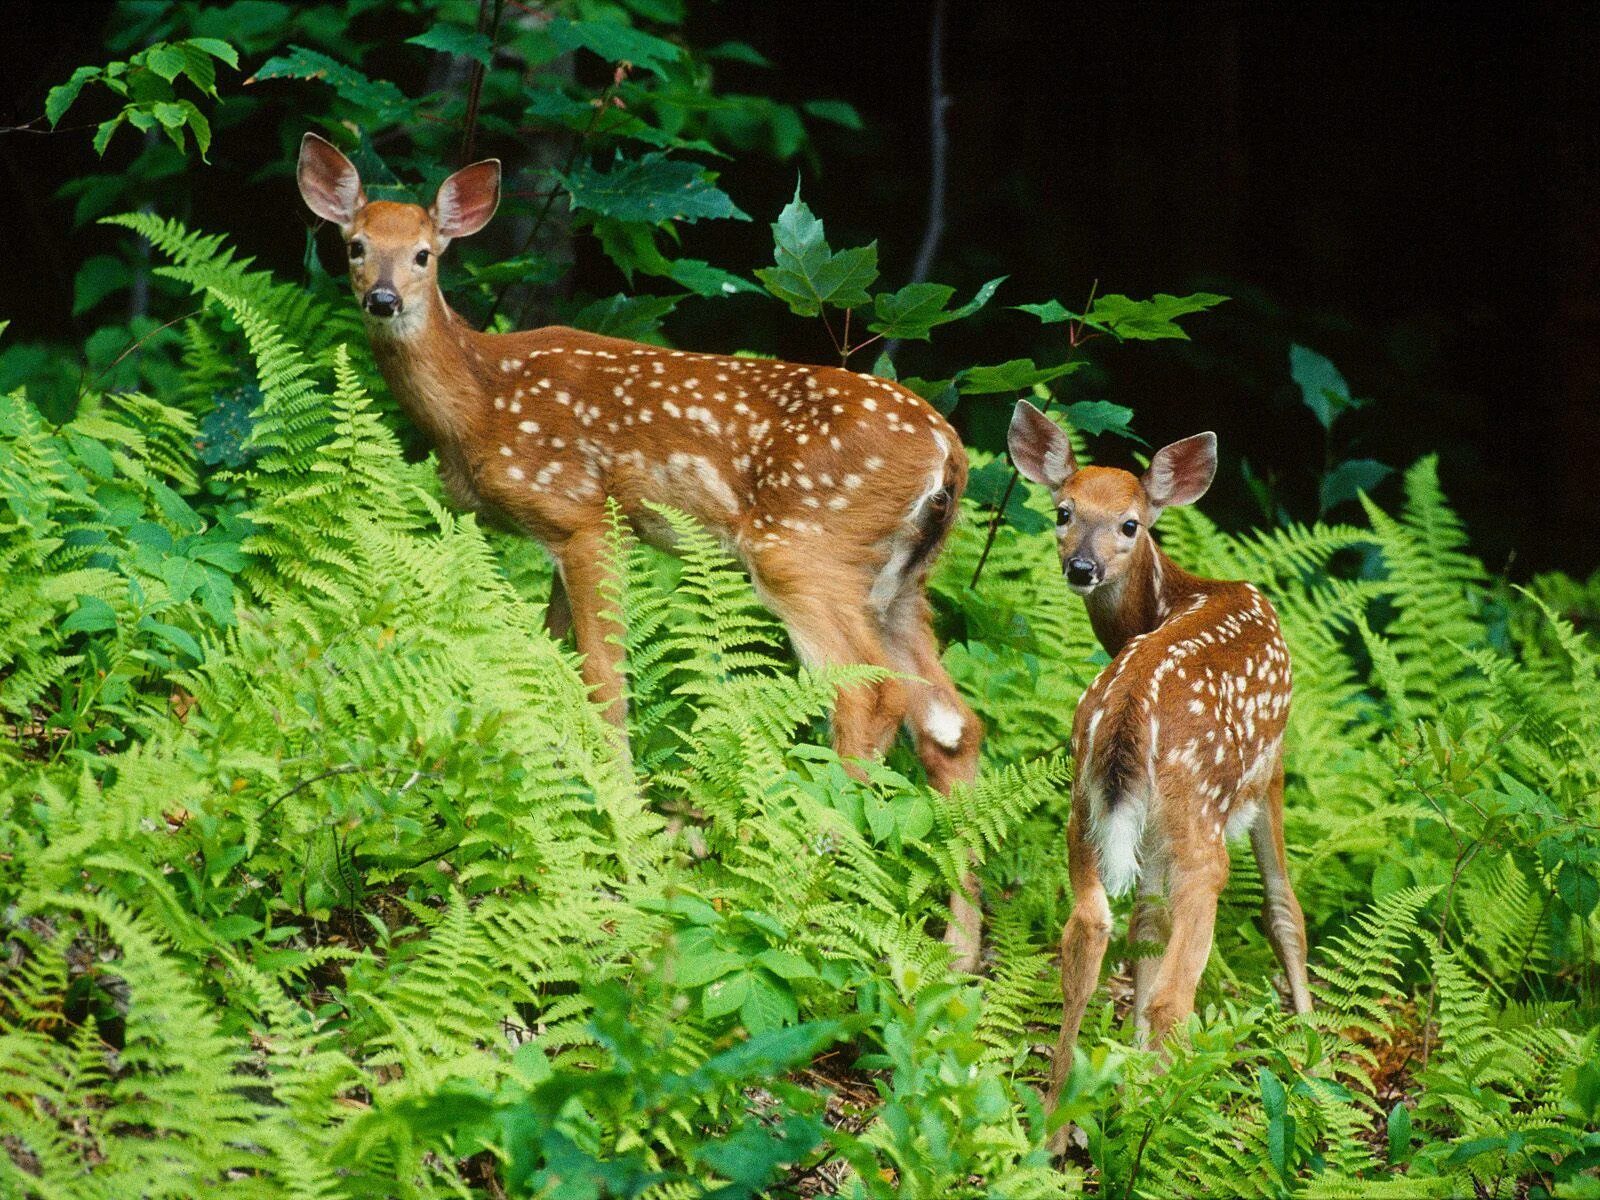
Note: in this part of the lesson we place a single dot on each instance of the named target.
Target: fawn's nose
(1081, 572)
(382, 301)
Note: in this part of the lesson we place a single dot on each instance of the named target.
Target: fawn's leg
(1280, 909)
(1150, 923)
(1199, 868)
(828, 618)
(583, 565)
(947, 735)
(1083, 944)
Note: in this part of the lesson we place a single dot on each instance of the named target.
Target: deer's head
(1103, 512)
(394, 248)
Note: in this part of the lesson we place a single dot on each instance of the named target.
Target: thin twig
(475, 89)
(84, 384)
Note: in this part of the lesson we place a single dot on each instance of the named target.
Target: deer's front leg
(583, 564)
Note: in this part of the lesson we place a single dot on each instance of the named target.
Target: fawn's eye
(1064, 515)
(1130, 527)
(422, 258)
(358, 249)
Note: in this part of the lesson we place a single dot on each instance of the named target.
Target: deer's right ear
(1039, 448)
(329, 182)
(467, 199)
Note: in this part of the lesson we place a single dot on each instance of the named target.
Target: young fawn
(836, 490)
(1178, 742)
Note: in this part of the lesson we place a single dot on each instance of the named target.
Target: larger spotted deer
(1178, 742)
(835, 489)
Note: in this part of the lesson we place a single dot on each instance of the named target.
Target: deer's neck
(434, 366)
(1149, 591)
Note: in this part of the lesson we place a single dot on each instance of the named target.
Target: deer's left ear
(467, 199)
(1039, 448)
(1181, 473)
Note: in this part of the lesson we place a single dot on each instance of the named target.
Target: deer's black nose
(1080, 571)
(382, 302)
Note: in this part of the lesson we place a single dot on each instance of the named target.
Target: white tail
(1178, 742)
(835, 489)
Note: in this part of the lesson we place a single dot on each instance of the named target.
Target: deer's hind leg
(1280, 909)
(947, 735)
(829, 620)
(1083, 942)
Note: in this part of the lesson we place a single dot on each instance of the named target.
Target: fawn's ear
(329, 182)
(1039, 448)
(467, 199)
(1181, 473)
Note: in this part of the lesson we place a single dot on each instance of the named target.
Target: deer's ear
(1039, 448)
(1181, 473)
(329, 182)
(467, 199)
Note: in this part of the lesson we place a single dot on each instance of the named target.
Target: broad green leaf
(626, 316)
(738, 52)
(1101, 416)
(91, 616)
(1350, 478)
(378, 96)
(166, 60)
(1322, 387)
(615, 42)
(768, 1005)
(651, 189)
(1399, 1130)
(1578, 889)
(705, 967)
(216, 47)
(98, 278)
(725, 995)
(839, 112)
(785, 964)
(1050, 312)
(915, 309)
(61, 97)
(199, 67)
(1147, 320)
(102, 135)
(452, 39)
(808, 274)
(1014, 375)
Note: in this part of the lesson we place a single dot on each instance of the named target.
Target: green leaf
(1351, 477)
(1017, 374)
(1578, 889)
(767, 1006)
(915, 309)
(624, 316)
(786, 964)
(1147, 320)
(174, 637)
(216, 47)
(98, 278)
(102, 135)
(839, 112)
(1050, 312)
(91, 616)
(166, 60)
(1322, 388)
(615, 42)
(702, 968)
(651, 189)
(808, 274)
(1101, 416)
(1399, 1132)
(377, 96)
(725, 995)
(61, 97)
(452, 39)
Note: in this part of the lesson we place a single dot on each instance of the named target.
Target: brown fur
(835, 489)
(1178, 741)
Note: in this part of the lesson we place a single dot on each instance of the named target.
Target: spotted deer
(1178, 742)
(835, 489)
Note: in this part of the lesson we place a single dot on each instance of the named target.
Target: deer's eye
(1130, 527)
(422, 258)
(358, 249)
(1064, 515)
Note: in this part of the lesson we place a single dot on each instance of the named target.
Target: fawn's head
(394, 248)
(1102, 512)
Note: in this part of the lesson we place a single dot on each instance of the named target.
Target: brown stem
(491, 25)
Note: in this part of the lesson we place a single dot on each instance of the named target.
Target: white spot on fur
(944, 725)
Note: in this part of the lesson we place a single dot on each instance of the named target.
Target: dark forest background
(1411, 190)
